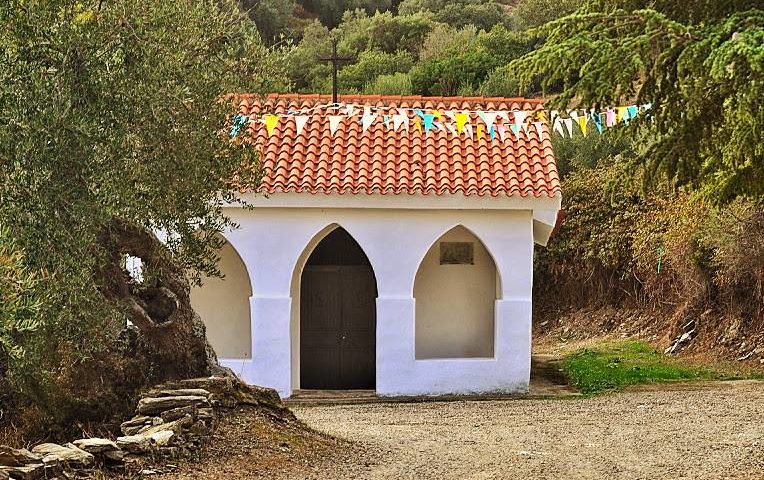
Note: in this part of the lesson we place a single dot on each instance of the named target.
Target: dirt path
(700, 431)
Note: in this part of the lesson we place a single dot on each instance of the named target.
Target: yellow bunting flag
(620, 114)
(438, 115)
(582, 124)
(461, 120)
(480, 131)
(270, 123)
(418, 125)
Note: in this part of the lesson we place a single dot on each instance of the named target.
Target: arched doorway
(456, 288)
(223, 305)
(338, 316)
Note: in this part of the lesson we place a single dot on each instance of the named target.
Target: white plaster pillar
(513, 341)
(271, 343)
(395, 342)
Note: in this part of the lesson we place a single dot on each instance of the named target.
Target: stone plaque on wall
(457, 253)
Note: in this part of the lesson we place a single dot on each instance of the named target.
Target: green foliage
(19, 306)
(535, 13)
(330, 12)
(465, 69)
(704, 80)
(115, 112)
(445, 39)
(372, 64)
(395, 84)
(273, 18)
(615, 366)
(383, 31)
(481, 14)
(302, 65)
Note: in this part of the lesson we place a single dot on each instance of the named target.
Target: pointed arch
(456, 287)
(224, 306)
(333, 324)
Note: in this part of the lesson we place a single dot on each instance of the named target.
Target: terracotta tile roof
(383, 161)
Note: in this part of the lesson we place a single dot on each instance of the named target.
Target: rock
(12, 457)
(180, 412)
(135, 443)
(68, 455)
(114, 456)
(4, 475)
(132, 426)
(177, 426)
(163, 438)
(26, 472)
(205, 414)
(95, 445)
(155, 405)
(185, 392)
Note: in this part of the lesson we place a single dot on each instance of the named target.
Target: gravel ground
(709, 431)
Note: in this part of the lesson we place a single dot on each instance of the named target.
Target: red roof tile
(384, 161)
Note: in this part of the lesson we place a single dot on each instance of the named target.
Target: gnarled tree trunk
(172, 336)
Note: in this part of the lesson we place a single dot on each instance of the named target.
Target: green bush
(395, 84)
(371, 64)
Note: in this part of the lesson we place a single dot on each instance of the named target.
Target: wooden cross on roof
(336, 62)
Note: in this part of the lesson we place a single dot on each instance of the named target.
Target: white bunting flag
(349, 110)
(569, 125)
(399, 120)
(539, 129)
(301, 120)
(489, 118)
(558, 126)
(451, 128)
(368, 118)
(574, 115)
(334, 123)
(520, 116)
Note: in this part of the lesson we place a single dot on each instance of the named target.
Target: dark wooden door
(337, 328)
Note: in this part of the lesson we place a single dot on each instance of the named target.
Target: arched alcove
(337, 316)
(223, 305)
(455, 290)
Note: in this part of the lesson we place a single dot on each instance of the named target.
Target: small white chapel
(390, 247)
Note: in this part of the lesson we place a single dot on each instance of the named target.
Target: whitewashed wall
(274, 243)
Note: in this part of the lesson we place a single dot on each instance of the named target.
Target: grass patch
(614, 366)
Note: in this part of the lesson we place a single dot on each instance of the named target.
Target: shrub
(395, 84)
(371, 64)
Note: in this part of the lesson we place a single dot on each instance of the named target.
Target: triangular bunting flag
(428, 118)
(367, 119)
(502, 132)
(469, 130)
(480, 131)
(492, 132)
(418, 125)
(597, 119)
(386, 119)
(557, 127)
(539, 129)
(300, 122)
(399, 120)
(622, 114)
(515, 127)
(438, 115)
(520, 116)
(334, 123)
(461, 120)
(489, 118)
(270, 123)
(633, 110)
(349, 110)
(553, 115)
(568, 125)
(610, 117)
(574, 115)
(582, 124)
(451, 128)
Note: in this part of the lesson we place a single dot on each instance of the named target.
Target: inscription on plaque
(457, 253)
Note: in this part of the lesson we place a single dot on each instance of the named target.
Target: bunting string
(486, 124)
